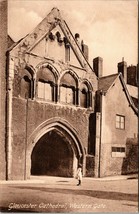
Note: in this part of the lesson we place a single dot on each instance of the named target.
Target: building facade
(56, 118)
(117, 144)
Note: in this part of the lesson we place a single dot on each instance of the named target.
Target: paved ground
(55, 194)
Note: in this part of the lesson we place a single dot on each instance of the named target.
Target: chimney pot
(132, 75)
(122, 68)
(98, 66)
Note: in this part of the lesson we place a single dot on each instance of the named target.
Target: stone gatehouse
(58, 107)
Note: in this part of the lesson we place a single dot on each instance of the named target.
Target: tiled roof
(135, 100)
(104, 83)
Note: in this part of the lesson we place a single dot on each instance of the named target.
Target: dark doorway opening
(52, 155)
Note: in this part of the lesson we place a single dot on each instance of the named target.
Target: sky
(108, 27)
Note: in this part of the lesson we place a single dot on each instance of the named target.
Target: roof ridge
(116, 74)
(106, 82)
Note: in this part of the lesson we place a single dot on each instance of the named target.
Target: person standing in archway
(79, 174)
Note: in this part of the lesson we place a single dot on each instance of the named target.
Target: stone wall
(3, 48)
(90, 166)
(130, 162)
(27, 117)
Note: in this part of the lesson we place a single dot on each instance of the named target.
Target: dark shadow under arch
(52, 155)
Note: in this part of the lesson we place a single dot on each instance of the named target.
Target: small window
(122, 149)
(118, 151)
(114, 149)
(120, 122)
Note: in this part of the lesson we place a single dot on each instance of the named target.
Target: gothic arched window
(46, 85)
(26, 87)
(85, 96)
(68, 89)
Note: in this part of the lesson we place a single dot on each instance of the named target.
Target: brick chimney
(132, 75)
(122, 68)
(98, 66)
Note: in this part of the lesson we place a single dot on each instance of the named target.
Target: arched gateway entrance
(52, 155)
(55, 150)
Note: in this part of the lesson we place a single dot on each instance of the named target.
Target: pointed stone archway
(54, 149)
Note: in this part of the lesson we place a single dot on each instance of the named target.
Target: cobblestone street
(57, 194)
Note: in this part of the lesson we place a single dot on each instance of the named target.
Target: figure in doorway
(79, 174)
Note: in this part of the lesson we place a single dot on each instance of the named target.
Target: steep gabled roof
(104, 83)
(43, 29)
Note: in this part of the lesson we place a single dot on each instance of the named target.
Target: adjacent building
(116, 142)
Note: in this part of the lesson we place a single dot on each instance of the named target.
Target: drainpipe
(99, 164)
(10, 76)
(25, 170)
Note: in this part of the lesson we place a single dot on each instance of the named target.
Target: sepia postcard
(68, 106)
